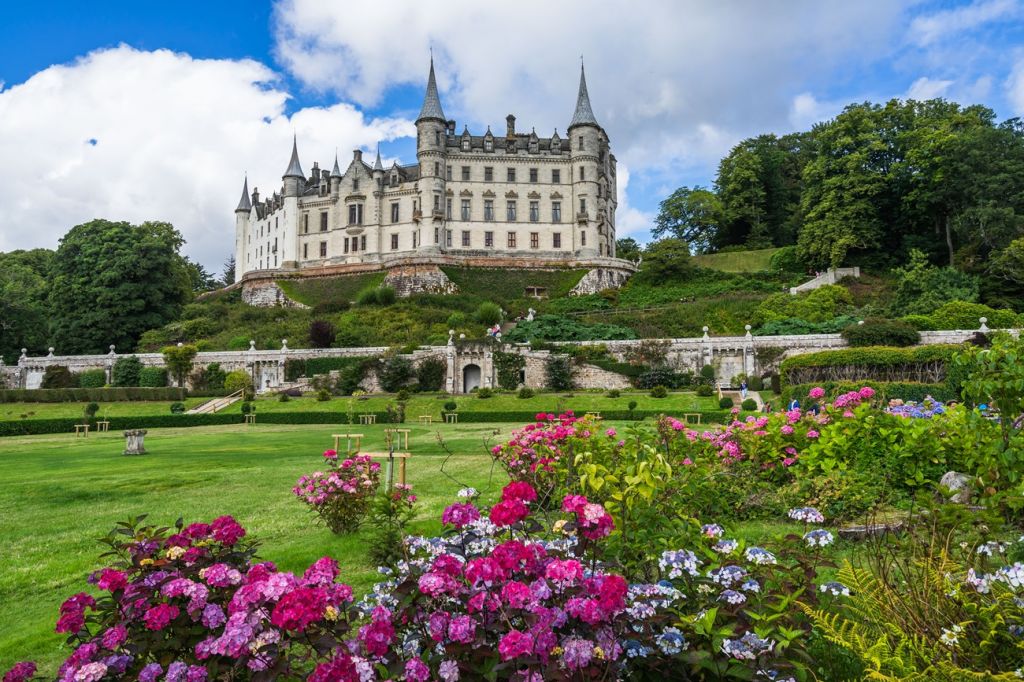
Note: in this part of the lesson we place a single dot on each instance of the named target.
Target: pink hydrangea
(110, 580)
(114, 637)
(460, 514)
(515, 644)
(72, 612)
(516, 594)
(416, 670)
(20, 672)
(300, 608)
(331, 455)
(462, 629)
(518, 490)
(227, 531)
(509, 512)
(786, 429)
(867, 392)
(160, 616)
(817, 393)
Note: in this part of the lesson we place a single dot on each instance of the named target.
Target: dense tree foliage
(111, 281)
(24, 289)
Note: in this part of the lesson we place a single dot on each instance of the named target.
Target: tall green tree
(112, 281)
(691, 214)
(24, 304)
(627, 248)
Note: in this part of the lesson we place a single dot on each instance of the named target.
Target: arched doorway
(470, 378)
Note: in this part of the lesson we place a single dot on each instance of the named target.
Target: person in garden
(743, 389)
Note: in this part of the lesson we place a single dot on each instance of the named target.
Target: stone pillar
(709, 351)
(449, 382)
(23, 369)
(748, 354)
(134, 442)
(111, 357)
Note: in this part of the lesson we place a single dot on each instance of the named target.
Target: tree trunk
(949, 240)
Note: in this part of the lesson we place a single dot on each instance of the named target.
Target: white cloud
(132, 135)
(930, 29)
(806, 110)
(926, 88)
(629, 220)
(1015, 87)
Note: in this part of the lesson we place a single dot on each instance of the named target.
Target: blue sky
(140, 111)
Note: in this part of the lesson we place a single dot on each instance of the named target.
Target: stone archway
(470, 377)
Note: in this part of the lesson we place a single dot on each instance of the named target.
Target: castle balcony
(437, 215)
(582, 217)
(417, 215)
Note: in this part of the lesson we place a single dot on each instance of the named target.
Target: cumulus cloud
(931, 28)
(1015, 87)
(629, 220)
(927, 88)
(136, 135)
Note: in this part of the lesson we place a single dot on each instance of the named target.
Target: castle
(515, 199)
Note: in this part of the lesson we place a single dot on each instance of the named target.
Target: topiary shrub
(725, 403)
(402, 395)
(57, 376)
(283, 397)
(558, 373)
(430, 374)
(237, 380)
(92, 378)
(153, 377)
(704, 390)
(367, 297)
(614, 393)
(126, 371)
(659, 392)
(177, 408)
(246, 407)
(488, 314)
(323, 395)
(748, 405)
(755, 383)
(90, 410)
(483, 392)
(881, 332)
(707, 373)
(525, 393)
(450, 407)
(394, 373)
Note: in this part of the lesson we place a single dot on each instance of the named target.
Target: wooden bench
(401, 432)
(426, 419)
(451, 418)
(81, 430)
(250, 419)
(102, 426)
(692, 417)
(402, 457)
(367, 419)
(595, 415)
(349, 437)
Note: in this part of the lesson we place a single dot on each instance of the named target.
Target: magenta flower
(20, 672)
(515, 644)
(460, 514)
(508, 512)
(817, 393)
(518, 490)
(227, 531)
(111, 580)
(462, 629)
(416, 670)
(160, 616)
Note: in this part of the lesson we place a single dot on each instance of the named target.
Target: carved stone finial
(51, 352)
(252, 344)
(284, 344)
(112, 347)
(984, 324)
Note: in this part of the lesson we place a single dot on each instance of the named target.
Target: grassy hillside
(737, 261)
(329, 289)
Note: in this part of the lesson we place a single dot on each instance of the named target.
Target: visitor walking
(743, 389)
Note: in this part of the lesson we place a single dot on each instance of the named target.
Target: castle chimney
(451, 127)
(357, 155)
(511, 130)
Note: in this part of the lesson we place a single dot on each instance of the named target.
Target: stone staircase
(217, 404)
(830, 276)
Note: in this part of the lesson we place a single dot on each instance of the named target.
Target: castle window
(510, 211)
(448, 238)
(275, 260)
(437, 168)
(362, 243)
(305, 250)
(394, 212)
(488, 174)
(355, 244)
(448, 172)
(394, 242)
(305, 223)
(581, 142)
(556, 240)
(436, 232)
(355, 214)
(323, 221)
(437, 137)
(415, 239)
(533, 175)
(600, 249)
(583, 238)
(556, 211)
(465, 238)
(437, 202)
(511, 240)
(489, 240)
(465, 173)
(275, 223)
(534, 240)
(583, 173)
(323, 249)
(346, 243)
(511, 176)
(556, 176)
(583, 205)
(534, 211)
(488, 144)
(465, 209)
(447, 212)
(599, 191)
(394, 179)
(355, 184)
(465, 143)
(488, 209)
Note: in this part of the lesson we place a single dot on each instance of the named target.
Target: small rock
(959, 484)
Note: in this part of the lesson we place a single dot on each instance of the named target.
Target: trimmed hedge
(886, 390)
(90, 395)
(920, 364)
(92, 378)
(153, 377)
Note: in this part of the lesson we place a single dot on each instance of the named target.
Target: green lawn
(16, 411)
(737, 261)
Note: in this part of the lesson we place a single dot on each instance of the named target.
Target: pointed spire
(583, 115)
(431, 102)
(243, 203)
(335, 172)
(294, 168)
(377, 165)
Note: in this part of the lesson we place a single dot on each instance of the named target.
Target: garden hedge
(886, 390)
(920, 364)
(91, 395)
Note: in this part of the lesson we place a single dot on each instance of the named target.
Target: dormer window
(394, 179)
(488, 144)
(465, 143)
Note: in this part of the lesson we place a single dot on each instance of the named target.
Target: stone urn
(134, 442)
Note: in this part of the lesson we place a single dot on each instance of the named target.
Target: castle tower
(294, 178)
(242, 213)
(335, 179)
(287, 222)
(431, 143)
(588, 145)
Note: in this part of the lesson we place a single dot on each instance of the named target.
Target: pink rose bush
(341, 495)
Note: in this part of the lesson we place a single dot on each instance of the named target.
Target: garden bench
(426, 419)
(349, 437)
(400, 456)
(250, 418)
(691, 417)
(367, 419)
(451, 418)
(595, 415)
(81, 430)
(102, 426)
(401, 432)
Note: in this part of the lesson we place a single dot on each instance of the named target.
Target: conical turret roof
(431, 102)
(244, 204)
(377, 165)
(335, 172)
(294, 168)
(584, 114)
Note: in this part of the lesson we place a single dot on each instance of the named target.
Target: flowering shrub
(341, 495)
(194, 605)
(926, 409)
(533, 452)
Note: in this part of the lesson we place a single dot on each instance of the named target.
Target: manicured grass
(342, 289)
(737, 261)
(134, 408)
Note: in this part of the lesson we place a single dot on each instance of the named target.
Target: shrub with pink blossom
(341, 495)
